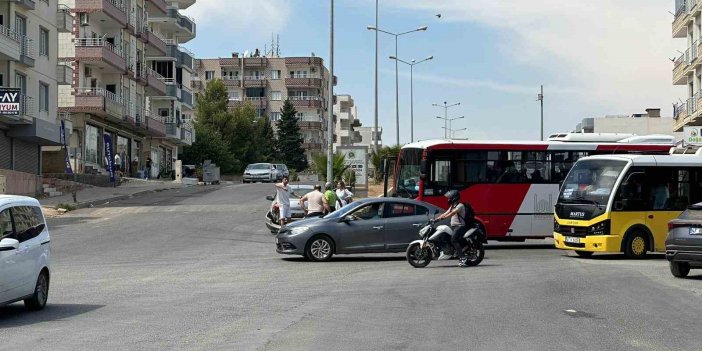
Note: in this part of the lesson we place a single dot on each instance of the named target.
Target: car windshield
(344, 210)
(259, 166)
(591, 181)
(301, 191)
(408, 176)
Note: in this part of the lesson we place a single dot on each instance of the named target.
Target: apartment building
(687, 68)
(128, 72)
(650, 122)
(347, 121)
(28, 65)
(266, 82)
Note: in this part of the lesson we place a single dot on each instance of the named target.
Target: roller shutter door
(26, 157)
(5, 151)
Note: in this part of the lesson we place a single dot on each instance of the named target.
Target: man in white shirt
(283, 192)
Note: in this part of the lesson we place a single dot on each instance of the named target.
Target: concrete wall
(20, 183)
(639, 126)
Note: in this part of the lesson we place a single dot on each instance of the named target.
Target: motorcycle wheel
(418, 257)
(475, 255)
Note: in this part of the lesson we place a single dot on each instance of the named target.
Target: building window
(276, 96)
(43, 97)
(43, 42)
(275, 116)
(209, 75)
(275, 74)
(234, 96)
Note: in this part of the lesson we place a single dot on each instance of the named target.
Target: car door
(27, 231)
(365, 233)
(402, 224)
(10, 273)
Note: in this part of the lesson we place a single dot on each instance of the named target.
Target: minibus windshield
(591, 182)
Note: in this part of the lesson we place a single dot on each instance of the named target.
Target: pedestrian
(343, 195)
(148, 168)
(329, 198)
(283, 192)
(315, 202)
(118, 165)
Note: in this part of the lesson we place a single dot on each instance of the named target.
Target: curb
(92, 203)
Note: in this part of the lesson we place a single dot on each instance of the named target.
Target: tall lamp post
(330, 103)
(446, 106)
(540, 98)
(412, 64)
(397, 76)
(452, 132)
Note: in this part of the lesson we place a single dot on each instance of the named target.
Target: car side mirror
(270, 198)
(348, 219)
(8, 244)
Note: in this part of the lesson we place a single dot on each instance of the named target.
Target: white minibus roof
(653, 160)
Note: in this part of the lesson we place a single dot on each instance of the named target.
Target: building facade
(347, 121)
(28, 64)
(368, 137)
(128, 70)
(687, 68)
(647, 123)
(266, 82)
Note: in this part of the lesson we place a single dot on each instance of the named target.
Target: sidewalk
(97, 195)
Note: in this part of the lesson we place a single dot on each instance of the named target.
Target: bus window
(561, 163)
(470, 167)
(669, 189)
(633, 193)
(439, 176)
(537, 167)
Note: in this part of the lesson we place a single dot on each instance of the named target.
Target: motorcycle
(436, 239)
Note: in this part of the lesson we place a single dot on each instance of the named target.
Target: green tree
(290, 139)
(377, 158)
(265, 140)
(209, 145)
(338, 165)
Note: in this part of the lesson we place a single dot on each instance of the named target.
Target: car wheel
(320, 249)
(679, 269)
(41, 293)
(635, 246)
(584, 254)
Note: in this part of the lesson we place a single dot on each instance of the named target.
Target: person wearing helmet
(457, 213)
(329, 198)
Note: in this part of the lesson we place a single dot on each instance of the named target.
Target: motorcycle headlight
(600, 228)
(298, 230)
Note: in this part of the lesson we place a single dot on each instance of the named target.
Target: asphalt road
(196, 269)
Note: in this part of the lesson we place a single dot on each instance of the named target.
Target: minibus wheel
(636, 245)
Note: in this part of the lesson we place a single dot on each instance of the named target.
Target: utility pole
(541, 99)
(330, 100)
(375, 126)
(446, 119)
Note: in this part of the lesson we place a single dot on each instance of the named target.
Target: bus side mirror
(423, 169)
(383, 165)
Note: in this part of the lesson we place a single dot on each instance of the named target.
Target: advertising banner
(356, 157)
(691, 135)
(64, 143)
(10, 101)
(109, 157)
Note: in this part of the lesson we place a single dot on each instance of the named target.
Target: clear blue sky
(594, 59)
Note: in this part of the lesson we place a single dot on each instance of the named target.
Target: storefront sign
(64, 143)
(691, 135)
(109, 157)
(356, 158)
(10, 99)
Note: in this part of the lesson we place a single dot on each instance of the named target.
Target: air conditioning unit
(84, 19)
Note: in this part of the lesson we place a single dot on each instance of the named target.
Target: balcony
(27, 52)
(187, 135)
(184, 57)
(156, 44)
(64, 19)
(256, 102)
(310, 125)
(183, 26)
(64, 74)
(255, 81)
(10, 44)
(129, 118)
(155, 126)
(109, 13)
(25, 4)
(231, 81)
(304, 82)
(23, 114)
(173, 131)
(186, 97)
(97, 101)
(255, 62)
(156, 6)
(306, 101)
(303, 61)
(100, 53)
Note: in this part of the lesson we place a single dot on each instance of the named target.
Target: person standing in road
(329, 198)
(283, 192)
(343, 195)
(315, 202)
(148, 168)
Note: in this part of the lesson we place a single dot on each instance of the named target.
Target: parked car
(260, 172)
(24, 252)
(296, 212)
(683, 246)
(282, 170)
(365, 226)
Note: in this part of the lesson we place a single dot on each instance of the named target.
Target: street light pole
(397, 78)
(375, 126)
(541, 99)
(412, 63)
(330, 102)
(445, 106)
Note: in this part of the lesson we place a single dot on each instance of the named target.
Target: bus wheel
(635, 246)
(584, 254)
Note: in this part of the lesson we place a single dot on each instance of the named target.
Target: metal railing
(98, 42)
(304, 98)
(305, 75)
(254, 98)
(693, 51)
(10, 33)
(261, 77)
(227, 78)
(684, 7)
(28, 47)
(692, 104)
(101, 92)
(27, 106)
(155, 74)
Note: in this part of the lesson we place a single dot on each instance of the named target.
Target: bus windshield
(591, 182)
(408, 175)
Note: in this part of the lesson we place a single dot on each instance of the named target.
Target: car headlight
(600, 228)
(298, 230)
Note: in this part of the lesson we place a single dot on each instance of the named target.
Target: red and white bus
(512, 186)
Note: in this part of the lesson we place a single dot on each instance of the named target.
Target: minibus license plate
(695, 231)
(572, 240)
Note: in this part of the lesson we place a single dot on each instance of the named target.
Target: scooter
(436, 239)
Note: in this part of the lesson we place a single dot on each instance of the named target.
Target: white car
(296, 212)
(24, 252)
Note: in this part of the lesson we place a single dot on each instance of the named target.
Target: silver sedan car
(365, 226)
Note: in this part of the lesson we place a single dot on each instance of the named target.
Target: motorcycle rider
(457, 212)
